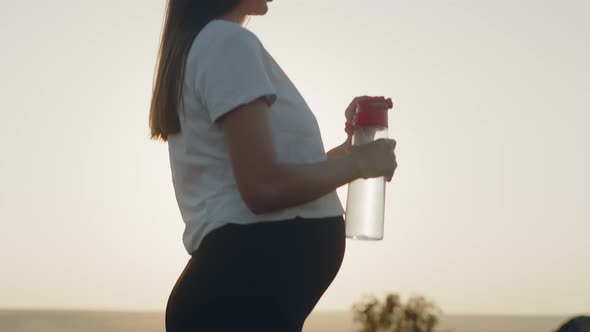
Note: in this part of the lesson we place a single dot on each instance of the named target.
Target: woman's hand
(349, 113)
(375, 159)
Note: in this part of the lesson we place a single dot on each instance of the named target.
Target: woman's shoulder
(221, 33)
(222, 37)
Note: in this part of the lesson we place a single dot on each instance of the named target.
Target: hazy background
(487, 213)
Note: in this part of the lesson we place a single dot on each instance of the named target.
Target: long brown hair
(183, 21)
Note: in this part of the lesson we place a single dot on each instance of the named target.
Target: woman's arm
(295, 184)
(265, 184)
(341, 150)
(338, 151)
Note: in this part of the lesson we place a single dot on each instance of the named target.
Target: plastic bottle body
(365, 204)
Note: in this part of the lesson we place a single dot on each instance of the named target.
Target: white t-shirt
(228, 66)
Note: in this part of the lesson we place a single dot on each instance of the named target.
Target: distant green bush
(416, 315)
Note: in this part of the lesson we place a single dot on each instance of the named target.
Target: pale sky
(487, 213)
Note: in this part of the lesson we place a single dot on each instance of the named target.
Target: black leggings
(263, 277)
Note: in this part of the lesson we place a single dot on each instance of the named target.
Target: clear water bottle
(365, 205)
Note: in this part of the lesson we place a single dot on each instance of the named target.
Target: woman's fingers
(351, 109)
(349, 114)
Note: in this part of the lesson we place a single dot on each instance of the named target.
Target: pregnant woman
(264, 227)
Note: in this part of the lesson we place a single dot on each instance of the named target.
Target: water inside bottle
(365, 205)
(364, 218)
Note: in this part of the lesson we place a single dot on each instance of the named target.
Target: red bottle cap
(372, 112)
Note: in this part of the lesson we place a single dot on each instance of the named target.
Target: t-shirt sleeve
(233, 73)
